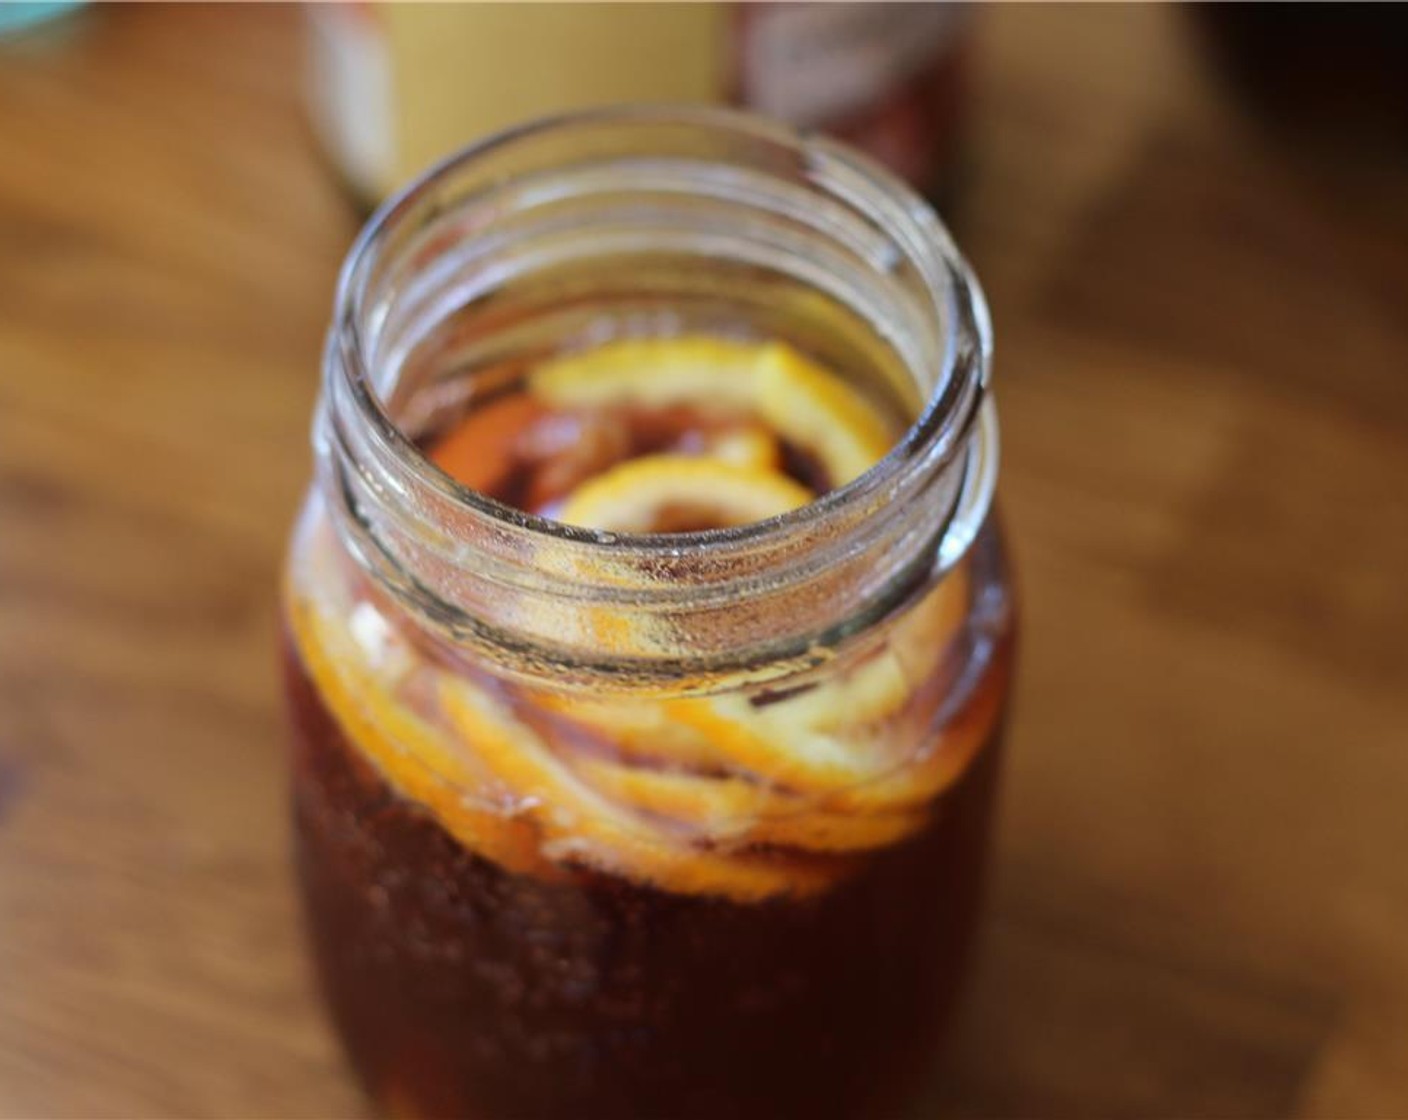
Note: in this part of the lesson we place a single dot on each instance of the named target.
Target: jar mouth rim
(933, 441)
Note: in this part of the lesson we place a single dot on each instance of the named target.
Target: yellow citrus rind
(744, 445)
(711, 373)
(880, 685)
(638, 730)
(801, 401)
(582, 826)
(944, 758)
(418, 760)
(735, 812)
(814, 408)
(755, 741)
(636, 496)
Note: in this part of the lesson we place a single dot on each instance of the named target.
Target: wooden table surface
(1201, 902)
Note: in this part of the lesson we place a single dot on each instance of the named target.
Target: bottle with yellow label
(394, 87)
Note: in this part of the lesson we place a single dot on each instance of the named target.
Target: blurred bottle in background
(393, 87)
(1338, 71)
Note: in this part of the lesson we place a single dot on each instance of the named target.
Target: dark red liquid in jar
(464, 988)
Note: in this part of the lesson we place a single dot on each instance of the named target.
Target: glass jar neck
(653, 221)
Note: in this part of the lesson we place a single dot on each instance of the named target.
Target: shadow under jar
(603, 823)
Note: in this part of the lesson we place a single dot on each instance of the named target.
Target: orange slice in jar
(803, 402)
(923, 635)
(795, 757)
(735, 812)
(417, 759)
(839, 831)
(861, 694)
(478, 451)
(584, 827)
(834, 734)
(880, 685)
(841, 736)
(711, 374)
(712, 805)
(944, 760)
(814, 408)
(744, 445)
(655, 491)
(634, 729)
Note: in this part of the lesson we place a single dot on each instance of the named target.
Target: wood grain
(1200, 905)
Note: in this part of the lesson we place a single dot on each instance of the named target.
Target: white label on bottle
(812, 63)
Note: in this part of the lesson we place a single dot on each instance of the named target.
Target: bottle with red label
(887, 78)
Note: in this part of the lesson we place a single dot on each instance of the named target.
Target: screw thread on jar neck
(653, 220)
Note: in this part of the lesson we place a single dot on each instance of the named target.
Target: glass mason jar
(595, 823)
